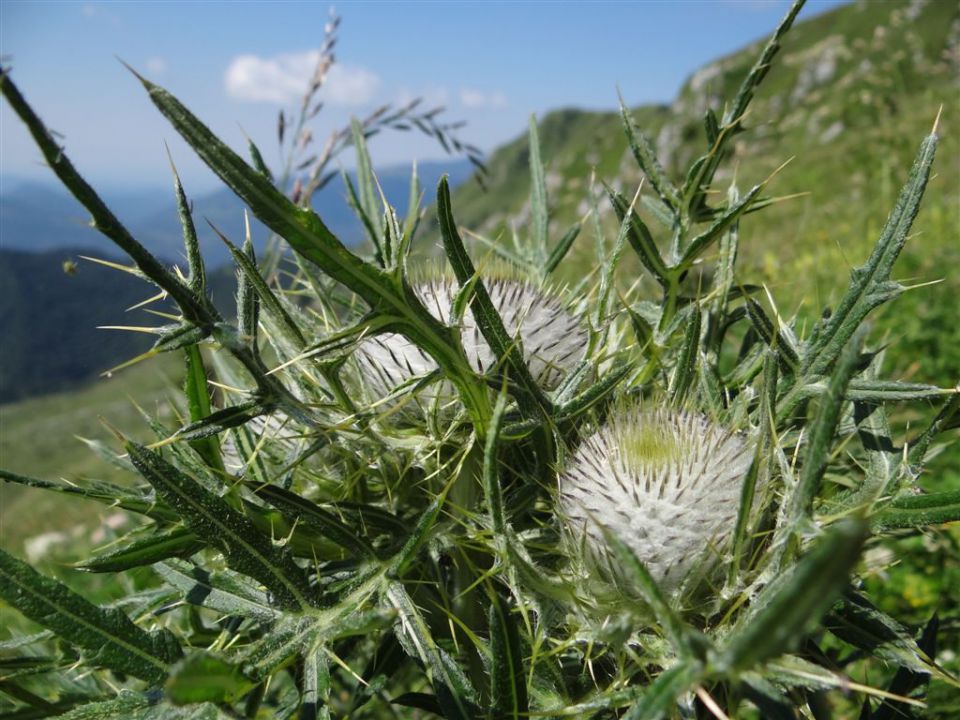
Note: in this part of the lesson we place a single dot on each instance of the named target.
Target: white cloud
(98, 11)
(473, 98)
(284, 78)
(157, 65)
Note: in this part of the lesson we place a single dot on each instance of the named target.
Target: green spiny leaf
(222, 591)
(918, 511)
(258, 162)
(491, 474)
(661, 695)
(367, 184)
(504, 347)
(760, 68)
(217, 422)
(198, 406)
(822, 431)
(353, 199)
(268, 300)
(248, 304)
(197, 279)
(538, 192)
(712, 234)
(101, 492)
(128, 705)
(295, 635)
(906, 681)
(772, 336)
(705, 167)
(646, 158)
(748, 489)
(855, 620)
(107, 635)
(870, 284)
(641, 240)
(204, 677)
(141, 551)
(946, 418)
(561, 249)
(608, 269)
(507, 672)
(412, 220)
(216, 522)
(786, 608)
(686, 368)
(642, 581)
(315, 686)
(303, 510)
(454, 692)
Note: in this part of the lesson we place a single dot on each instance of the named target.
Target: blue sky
(235, 64)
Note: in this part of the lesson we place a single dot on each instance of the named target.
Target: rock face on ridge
(843, 72)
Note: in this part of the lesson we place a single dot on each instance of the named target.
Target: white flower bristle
(553, 339)
(666, 483)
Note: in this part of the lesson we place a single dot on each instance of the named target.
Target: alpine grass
(487, 495)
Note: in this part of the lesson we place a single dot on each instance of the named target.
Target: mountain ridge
(37, 216)
(847, 101)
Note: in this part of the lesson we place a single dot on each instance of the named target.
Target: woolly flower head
(666, 483)
(553, 339)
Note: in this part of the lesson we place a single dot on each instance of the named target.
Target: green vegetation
(40, 437)
(375, 498)
(850, 91)
(51, 306)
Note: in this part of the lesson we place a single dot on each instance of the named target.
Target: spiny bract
(667, 483)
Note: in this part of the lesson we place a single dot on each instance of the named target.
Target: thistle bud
(666, 483)
(553, 339)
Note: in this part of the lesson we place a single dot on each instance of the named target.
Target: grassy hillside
(39, 437)
(849, 99)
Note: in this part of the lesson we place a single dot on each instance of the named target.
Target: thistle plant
(622, 508)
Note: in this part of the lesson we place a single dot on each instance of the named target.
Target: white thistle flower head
(553, 339)
(666, 483)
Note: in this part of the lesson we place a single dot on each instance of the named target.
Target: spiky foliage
(359, 561)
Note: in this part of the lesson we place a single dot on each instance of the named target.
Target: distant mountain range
(48, 319)
(42, 216)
